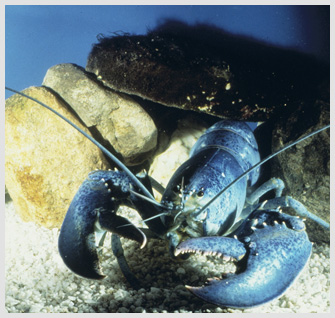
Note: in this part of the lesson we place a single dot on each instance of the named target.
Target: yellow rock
(46, 159)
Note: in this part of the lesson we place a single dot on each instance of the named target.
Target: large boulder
(46, 160)
(204, 69)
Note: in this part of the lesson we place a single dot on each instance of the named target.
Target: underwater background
(38, 37)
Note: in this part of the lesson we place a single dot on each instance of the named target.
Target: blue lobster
(210, 205)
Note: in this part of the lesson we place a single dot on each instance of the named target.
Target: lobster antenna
(293, 143)
(146, 198)
(120, 165)
(148, 219)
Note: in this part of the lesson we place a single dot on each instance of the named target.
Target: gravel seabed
(38, 281)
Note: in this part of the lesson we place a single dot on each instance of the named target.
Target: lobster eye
(200, 193)
(176, 188)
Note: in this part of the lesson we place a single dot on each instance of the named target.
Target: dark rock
(305, 168)
(204, 69)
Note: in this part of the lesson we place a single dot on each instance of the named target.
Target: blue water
(38, 37)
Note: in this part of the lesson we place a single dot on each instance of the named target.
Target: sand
(38, 281)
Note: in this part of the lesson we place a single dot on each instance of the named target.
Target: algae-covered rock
(204, 69)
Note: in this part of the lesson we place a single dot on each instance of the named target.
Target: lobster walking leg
(118, 253)
(300, 209)
(279, 201)
(272, 184)
(251, 200)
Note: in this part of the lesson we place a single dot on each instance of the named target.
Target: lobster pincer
(277, 248)
(93, 210)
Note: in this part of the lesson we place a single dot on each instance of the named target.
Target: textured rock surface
(46, 160)
(120, 121)
(203, 69)
(305, 168)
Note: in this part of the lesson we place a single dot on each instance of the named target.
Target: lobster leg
(118, 253)
(300, 209)
(279, 201)
(278, 249)
(272, 184)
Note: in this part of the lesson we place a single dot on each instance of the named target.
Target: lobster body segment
(233, 137)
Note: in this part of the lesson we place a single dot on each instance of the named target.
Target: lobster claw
(276, 254)
(92, 209)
